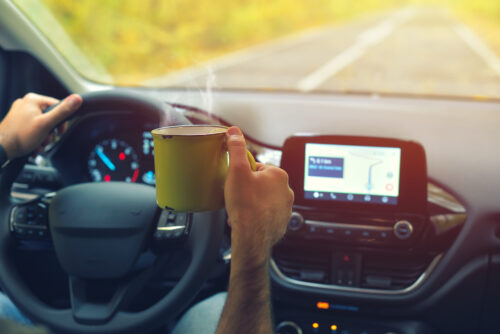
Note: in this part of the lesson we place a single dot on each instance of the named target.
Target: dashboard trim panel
(348, 226)
(282, 278)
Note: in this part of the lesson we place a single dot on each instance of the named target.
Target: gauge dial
(113, 160)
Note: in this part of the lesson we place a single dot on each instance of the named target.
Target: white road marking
(207, 68)
(479, 47)
(366, 40)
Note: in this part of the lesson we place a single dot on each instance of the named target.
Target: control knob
(288, 327)
(296, 221)
(403, 229)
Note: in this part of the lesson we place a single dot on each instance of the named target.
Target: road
(417, 50)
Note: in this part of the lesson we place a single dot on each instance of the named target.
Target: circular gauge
(113, 160)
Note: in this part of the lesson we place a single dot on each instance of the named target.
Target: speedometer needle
(105, 159)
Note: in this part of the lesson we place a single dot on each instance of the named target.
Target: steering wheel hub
(99, 229)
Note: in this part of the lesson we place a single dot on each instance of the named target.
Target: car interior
(395, 225)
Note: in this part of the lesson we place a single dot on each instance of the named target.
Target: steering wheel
(98, 231)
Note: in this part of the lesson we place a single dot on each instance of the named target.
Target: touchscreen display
(350, 173)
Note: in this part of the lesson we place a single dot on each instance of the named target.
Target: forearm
(248, 306)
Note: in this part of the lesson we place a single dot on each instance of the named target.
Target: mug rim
(189, 126)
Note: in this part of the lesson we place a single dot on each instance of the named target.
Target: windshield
(429, 48)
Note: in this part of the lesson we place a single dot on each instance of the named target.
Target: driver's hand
(259, 204)
(25, 127)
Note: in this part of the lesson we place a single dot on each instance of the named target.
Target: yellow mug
(191, 163)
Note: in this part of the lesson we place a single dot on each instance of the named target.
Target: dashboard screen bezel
(413, 173)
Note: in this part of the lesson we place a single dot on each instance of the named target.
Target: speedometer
(113, 160)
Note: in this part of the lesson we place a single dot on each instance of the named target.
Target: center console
(359, 225)
(357, 190)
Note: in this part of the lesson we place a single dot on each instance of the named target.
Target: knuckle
(236, 142)
(281, 174)
(38, 123)
(30, 96)
(239, 165)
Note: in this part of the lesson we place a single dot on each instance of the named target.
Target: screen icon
(385, 199)
(368, 198)
(350, 197)
(316, 194)
(332, 195)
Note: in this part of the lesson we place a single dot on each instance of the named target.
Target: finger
(259, 166)
(237, 148)
(50, 138)
(262, 167)
(60, 113)
(41, 100)
(62, 128)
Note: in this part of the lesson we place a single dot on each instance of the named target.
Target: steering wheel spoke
(87, 307)
(28, 221)
(172, 231)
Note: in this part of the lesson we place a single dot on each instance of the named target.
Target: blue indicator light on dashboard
(149, 178)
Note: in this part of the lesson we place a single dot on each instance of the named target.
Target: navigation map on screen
(352, 173)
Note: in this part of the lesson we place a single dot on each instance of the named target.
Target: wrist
(249, 258)
(8, 146)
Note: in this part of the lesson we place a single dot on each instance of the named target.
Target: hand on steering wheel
(98, 231)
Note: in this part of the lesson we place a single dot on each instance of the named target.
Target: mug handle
(251, 160)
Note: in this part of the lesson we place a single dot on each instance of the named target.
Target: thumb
(237, 148)
(62, 111)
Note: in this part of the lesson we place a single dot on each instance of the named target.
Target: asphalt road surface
(417, 51)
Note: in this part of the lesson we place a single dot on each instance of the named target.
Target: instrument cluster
(126, 160)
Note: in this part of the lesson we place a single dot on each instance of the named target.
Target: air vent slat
(400, 271)
(306, 267)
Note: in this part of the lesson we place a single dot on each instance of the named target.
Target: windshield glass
(429, 48)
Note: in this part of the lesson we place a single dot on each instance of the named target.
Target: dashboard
(353, 273)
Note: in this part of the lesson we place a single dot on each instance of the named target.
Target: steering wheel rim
(203, 242)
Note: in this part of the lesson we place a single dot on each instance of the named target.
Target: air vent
(302, 266)
(390, 272)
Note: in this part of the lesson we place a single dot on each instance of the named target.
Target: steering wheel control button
(20, 215)
(20, 231)
(403, 229)
(172, 229)
(296, 221)
(29, 221)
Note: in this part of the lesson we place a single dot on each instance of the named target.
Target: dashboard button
(403, 229)
(296, 221)
(288, 327)
(329, 230)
